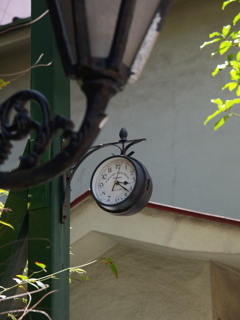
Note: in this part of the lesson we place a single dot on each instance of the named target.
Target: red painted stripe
(194, 214)
(163, 207)
(80, 198)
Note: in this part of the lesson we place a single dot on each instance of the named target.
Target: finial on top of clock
(123, 134)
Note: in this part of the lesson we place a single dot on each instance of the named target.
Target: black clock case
(138, 198)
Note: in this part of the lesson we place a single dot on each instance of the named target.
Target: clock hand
(124, 182)
(123, 187)
(115, 181)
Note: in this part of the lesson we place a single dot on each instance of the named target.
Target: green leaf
(236, 18)
(77, 270)
(217, 101)
(22, 277)
(231, 86)
(107, 260)
(238, 91)
(113, 268)
(34, 285)
(224, 46)
(214, 34)
(12, 316)
(238, 57)
(85, 278)
(230, 57)
(6, 224)
(226, 29)
(219, 67)
(3, 83)
(220, 122)
(41, 265)
(3, 192)
(209, 42)
(230, 103)
(234, 75)
(215, 72)
(22, 287)
(212, 116)
(17, 280)
(40, 284)
(225, 3)
(235, 64)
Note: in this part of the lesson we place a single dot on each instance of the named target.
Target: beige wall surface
(171, 266)
(191, 166)
(225, 293)
(150, 286)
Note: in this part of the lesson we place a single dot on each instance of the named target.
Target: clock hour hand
(124, 182)
(114, 183)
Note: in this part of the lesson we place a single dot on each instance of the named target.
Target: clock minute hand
(123, 186)
(124, 182)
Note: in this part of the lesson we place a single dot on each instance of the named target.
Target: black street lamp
(103, 44)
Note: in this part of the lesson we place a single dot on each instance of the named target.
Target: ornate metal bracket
(123, 150)
(31, 172)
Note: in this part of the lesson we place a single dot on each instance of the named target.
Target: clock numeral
(100, 185)
(104, 176)
(132, 171)
(109, 197)
(134, 179)
(109, 169)
(125, 194)
(126, 166)
(118, 165)
(130, 189)
(103, 192)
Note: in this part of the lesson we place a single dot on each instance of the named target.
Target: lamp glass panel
(65, 11)
(101, 19)
(143, 16)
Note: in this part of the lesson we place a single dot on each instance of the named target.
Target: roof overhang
(157, 227)
(15, 37)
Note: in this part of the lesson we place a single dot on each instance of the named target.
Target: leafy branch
(38, 283)
(228, 40)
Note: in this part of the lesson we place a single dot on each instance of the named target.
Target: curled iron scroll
(30, 173)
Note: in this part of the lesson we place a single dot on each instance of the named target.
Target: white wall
(191, 166)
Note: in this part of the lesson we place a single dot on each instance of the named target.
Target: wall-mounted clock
(121, 185)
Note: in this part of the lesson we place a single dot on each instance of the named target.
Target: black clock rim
(114, 205)
(144, 197)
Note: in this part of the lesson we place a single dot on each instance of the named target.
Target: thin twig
(21, 310)
(26, 309)
(25, 24)
(22, 73)
(47, 294)
(24, 294)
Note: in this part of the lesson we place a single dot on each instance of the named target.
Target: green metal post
(48, 236)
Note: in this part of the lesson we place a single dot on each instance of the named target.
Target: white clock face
(114, 180)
